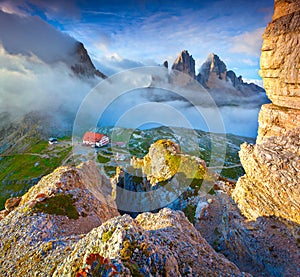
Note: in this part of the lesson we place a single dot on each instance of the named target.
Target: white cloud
(250, 62)
(53, 10)
(29, 84)
(258, 82)
(11, 8)
(248, 43)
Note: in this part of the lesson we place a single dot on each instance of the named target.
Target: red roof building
(95, 139)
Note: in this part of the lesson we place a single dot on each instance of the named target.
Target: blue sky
(125, 34)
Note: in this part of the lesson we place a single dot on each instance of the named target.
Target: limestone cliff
(280, 57)
(271, 186)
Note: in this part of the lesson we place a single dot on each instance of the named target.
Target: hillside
(28, 156)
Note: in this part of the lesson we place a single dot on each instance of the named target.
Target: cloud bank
(29, 35)
(28, 84)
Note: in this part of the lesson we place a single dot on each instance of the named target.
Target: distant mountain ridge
(212, 71)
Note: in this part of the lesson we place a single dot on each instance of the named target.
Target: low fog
(29, 85)
(146, 97)
(35, 72)
(135, 105)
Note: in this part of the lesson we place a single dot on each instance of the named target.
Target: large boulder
(51, 216)
(164, 160)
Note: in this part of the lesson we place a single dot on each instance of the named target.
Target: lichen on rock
(161, 244)
(165, 159)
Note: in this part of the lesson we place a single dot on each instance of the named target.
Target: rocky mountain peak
(185, 63)
(212, 68)
(83, 65)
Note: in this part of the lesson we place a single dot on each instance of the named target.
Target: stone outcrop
(165, 159)
(271, 186)
(276, 121)
(265, 247)
(185, 63)
(166, 64)
(213, 76)
(162, 244)
(83, 65)
(54, 214)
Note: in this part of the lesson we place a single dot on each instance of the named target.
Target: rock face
(166, 64)
(271, 186)
(185, 63)
(280, 57)
(276, 121)
(213, 76)
(165, 159)
(265, 247)
(83, 65)
(162, 244)
(213, 68)
(65, 204)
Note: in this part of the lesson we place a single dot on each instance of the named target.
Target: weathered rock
(166, 64)
(53, 215)
(185, 63)
(12, 203)
(213, 75)
(240, 85)
(284, 7)
(162, 244)
(271, 186)
(265, 247)
(165, 159)
(276, 121)
(280, 57)
(3, 214)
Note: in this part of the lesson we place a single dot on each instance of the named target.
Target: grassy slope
(18, 169)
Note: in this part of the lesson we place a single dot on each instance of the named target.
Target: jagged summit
(185, 63)
(213, 74)
(83, 65)
(213, 68)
